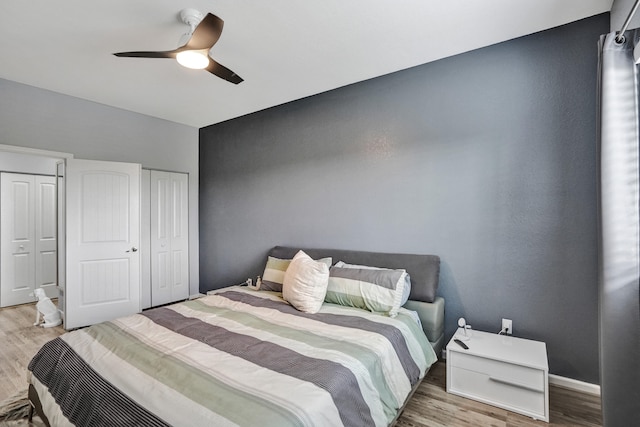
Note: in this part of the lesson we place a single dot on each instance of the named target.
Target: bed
(245, 357)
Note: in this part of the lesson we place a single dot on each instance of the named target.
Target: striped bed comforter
(237, 358)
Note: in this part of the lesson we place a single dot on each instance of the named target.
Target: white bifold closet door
(28, 237)
(169, 236)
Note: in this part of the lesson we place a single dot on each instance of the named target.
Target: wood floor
(430, 406)
(19, 342)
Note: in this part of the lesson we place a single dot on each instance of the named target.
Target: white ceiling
(284, 50)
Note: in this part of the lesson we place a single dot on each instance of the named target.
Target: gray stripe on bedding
(361, 353)
(337, 380)
(69, 390)
(267, 285)
(392, 334)
(165, 366)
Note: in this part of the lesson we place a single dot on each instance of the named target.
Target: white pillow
(274, 273)
(305, 283)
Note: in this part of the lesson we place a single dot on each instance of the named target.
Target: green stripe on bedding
(388, 331)
(338, 381)
(193, 383)
(416, 329)
(368, 358)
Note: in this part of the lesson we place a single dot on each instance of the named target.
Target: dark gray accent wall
(486, 159)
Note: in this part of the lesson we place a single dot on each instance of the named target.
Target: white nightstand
(511, 373)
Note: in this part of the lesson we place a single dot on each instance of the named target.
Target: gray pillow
(376, 290)
(406, 290)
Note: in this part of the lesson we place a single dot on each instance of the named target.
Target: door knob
(133, 249)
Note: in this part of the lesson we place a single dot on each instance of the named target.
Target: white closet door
(160, 238)
(180, 236)
(102, 240)
(45, 234)
(169, 237)
(17, 279)
(145, 244)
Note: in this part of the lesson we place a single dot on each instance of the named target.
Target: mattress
(237, 358)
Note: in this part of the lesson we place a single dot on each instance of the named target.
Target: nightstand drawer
(507, 373)
(484, 387)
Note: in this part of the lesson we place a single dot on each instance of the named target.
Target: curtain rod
(620, 36)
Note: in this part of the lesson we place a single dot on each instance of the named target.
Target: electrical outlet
(507, 325)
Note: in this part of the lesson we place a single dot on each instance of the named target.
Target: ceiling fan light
(193, 59)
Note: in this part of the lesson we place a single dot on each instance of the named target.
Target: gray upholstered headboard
(423, 269)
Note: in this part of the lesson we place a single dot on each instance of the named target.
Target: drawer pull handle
(507, 382)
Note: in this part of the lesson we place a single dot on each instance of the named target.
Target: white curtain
(619, 200)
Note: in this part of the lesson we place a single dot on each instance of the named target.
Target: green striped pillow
(379, 291)
(273, 275)
(406, 289)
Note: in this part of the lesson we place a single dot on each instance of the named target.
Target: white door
(28, 231)
(102, 204)
(17, 278)
(179, 236)
(45, 234)
(145, 243)
(169, 237)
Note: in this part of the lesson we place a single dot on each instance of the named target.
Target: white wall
(37, 118)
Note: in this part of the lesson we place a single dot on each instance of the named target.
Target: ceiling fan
(195, 45)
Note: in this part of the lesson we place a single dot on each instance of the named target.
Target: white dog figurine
(46, 309)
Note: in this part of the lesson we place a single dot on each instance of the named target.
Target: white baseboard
(576, 385)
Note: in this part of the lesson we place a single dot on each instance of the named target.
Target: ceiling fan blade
(165, 54)
(206, 33)
(223, 72)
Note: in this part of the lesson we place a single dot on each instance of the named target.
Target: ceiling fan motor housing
(191, 17)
